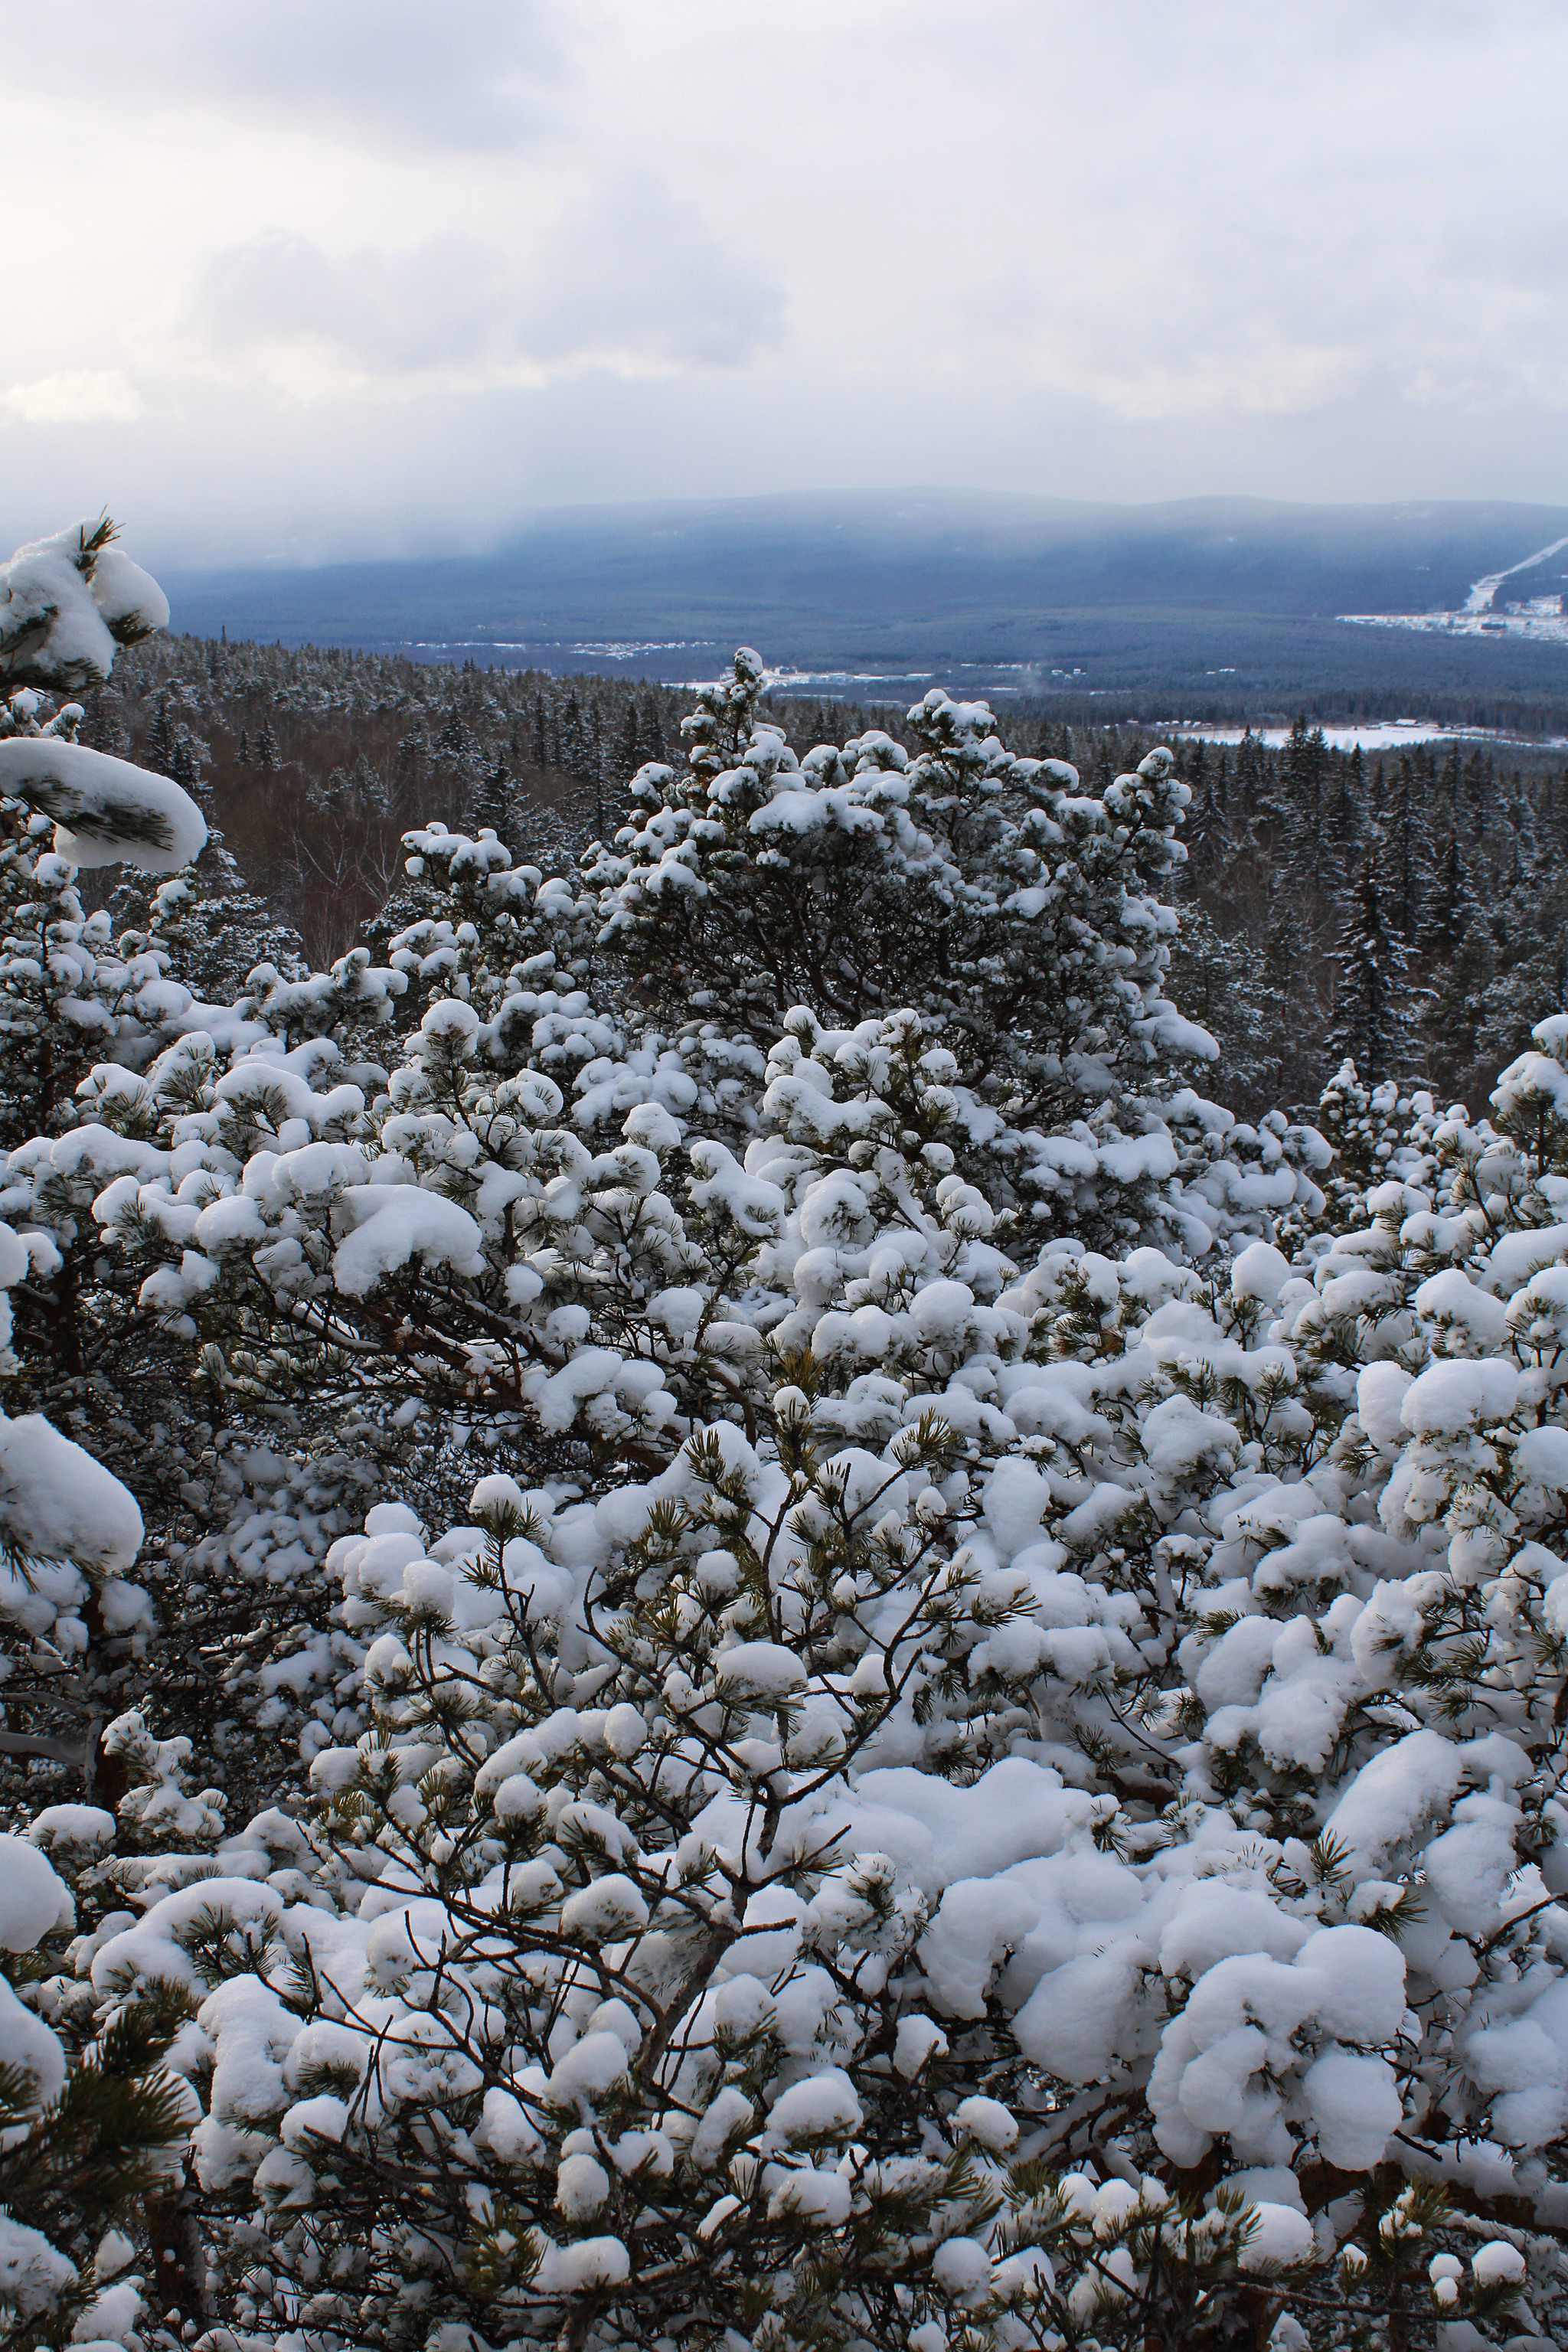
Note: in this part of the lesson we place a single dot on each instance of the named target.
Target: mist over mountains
(1038, 593)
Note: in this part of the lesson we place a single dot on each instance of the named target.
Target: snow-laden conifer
(979, 1766)
(1022, 915)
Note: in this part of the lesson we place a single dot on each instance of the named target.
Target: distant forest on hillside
(1197, 607)
(1407, 910)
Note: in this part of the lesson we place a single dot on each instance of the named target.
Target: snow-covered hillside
(1537, 619)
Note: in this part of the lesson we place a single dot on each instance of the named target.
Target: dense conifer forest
(1405, 906)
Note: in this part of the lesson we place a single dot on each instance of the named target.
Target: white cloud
(633, 280)
(636, 278)
(379, 274)
(482, 74)
(282, 299)
(79, 396)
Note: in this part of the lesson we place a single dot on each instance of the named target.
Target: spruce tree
(1375, 1002)
(491, 805)
(627, 756)
(160, 740)
(1405, 863)
(651, 746)
(1228, 984)
(1305, 763)
(1451, 904)
(1529, 975)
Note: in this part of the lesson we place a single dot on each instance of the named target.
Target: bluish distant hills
(1043, 592)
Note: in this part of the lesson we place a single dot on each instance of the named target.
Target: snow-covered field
(1539, 619)
(1382, 735)
(1376, 735)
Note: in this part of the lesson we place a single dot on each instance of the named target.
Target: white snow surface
(33, 1900)
(106, 811)
(57, 1504)
(64, 611)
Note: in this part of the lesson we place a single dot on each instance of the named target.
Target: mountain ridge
(929, 578)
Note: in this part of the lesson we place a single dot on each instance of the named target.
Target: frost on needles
(748, 1637)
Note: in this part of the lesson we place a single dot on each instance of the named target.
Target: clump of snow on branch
(67, 604)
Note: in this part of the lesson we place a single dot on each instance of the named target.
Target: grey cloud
(634, 279)
(1527, 255)
(477, 75)
(437, 471)
(441, 303)
(639, 269)
(1139, 251)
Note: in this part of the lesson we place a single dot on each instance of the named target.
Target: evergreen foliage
(1374, 1003)
(718, 1626)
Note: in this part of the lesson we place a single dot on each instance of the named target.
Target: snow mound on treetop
(33, 1900)
(57, 1503)
(66, 606)
(106, 811)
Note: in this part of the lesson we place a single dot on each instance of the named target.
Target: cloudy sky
(295, 279)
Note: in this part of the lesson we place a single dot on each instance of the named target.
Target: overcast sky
(304, 277)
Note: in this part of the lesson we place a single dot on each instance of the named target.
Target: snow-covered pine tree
(1375, 1003)
(73, 1636)
(860, 1886)
(89, 2140)
(949, 1787)
(212, 929)
(66, 605)
(1226, 984)
(492, 802)
(89, 2123)
(1024, 918)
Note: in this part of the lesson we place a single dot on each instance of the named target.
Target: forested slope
(1436, 867)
